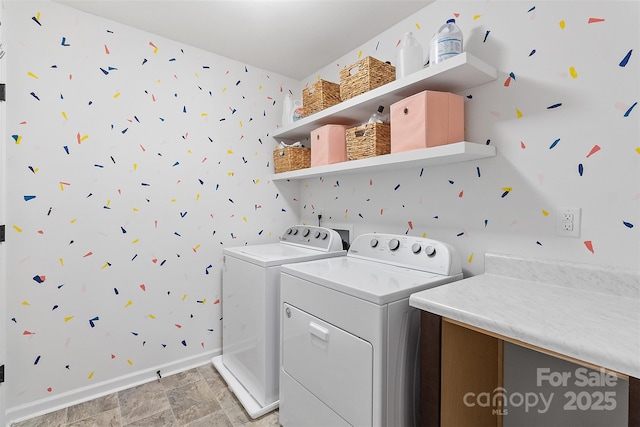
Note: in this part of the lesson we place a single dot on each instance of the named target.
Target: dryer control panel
(313, 237)
(417, 253)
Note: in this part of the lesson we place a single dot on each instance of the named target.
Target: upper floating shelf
(454, 75)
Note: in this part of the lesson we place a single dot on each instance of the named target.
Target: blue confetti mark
(485, 36)
(54, 307)
(35, 96)
(627, 224)
(27, 198)
(38, 279)
(531, 10)
(91, 321)
(66, 149)
(552, 146)
(421, 171)
(533, 52)
(123, 230)
(37, 360)
(486, 222)
(115, 291)
(625, 60)
(135, 334)
(478, 171)
(397, 186)
(36, 20)
(580, 169)
(460, 234)
(538, 243)
(550, 107)
(105, 72)
(505, 194)
(512, 75)
(184, 343)
(626, 114)
(64, 42)
(451, 182)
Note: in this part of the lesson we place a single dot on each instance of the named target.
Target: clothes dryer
(249, 362)
(349, 337)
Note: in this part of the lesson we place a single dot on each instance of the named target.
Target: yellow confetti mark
(25, 303)
(638, 150)
(424, 235)
(173, 200)
(18, 229)
(19, 139)
(507, 188)
(476, 17)
(518, 113)
(197, 75)
(470, 260)
(73, 221)
(128, 303)
(91, 374)
(61, 262)
(562, 24)
(184, 297)
(229, 151)
(84, 137)
(203, 114)
(129, 362)
(255, 181)
(136, 210)
(240, 123)
(230, 173)
(151, 316)
(117, 94)
(244, 218)
(105, 265)
(260, 87)
(135, 241)
(38, 16)
(30, 74)
(108, 203)
(573, 72)
(224, 89)
(64, 115)
(545, 213)
(135, 166)
(417, 25)
(195, 249)
(197, 196)
(62, 184)
(359, 54)
(66, 319)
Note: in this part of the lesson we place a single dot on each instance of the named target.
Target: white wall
(122, 189)
(464, 204)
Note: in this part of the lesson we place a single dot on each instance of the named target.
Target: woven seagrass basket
(291, 158)
(320, 95)
(372, 139)
(363, 76)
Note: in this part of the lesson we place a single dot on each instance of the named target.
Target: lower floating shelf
(433, 156)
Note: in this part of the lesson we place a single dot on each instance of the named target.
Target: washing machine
(249, 362)
(349, 338)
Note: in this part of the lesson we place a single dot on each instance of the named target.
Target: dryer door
(334, 365)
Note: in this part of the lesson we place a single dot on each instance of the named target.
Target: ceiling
(294, 38)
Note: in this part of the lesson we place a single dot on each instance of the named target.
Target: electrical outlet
(568, 223)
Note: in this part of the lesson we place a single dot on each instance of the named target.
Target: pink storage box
(426, 119)
(328, 145)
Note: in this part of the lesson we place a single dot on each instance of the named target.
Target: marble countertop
(585, 312)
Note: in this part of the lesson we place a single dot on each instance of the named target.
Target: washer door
(332, 364)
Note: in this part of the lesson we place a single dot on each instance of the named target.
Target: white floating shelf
(454, 75)
(433, 156)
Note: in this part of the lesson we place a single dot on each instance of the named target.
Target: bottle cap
(451, 20)
(380, 108)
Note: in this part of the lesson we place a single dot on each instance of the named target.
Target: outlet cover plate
(568, 222)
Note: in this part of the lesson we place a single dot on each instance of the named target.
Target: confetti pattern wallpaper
(563, 115)
(132, 161)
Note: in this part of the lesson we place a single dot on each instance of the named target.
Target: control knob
(306, 232)
(430, 250)
(416, 248)
(374, 242)
(394, 244)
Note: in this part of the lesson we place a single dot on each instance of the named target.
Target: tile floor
(194, 398)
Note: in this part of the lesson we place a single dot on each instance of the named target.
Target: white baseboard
(84, 394)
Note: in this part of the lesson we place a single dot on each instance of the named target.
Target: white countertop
(585, 312)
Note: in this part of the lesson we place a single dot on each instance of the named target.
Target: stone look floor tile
(192, 401)
(142, 402)
(217, 419)
(161, 419)
(91, 408)
(109, 418)
(53, 419)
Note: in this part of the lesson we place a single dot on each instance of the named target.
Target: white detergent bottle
(446, 43)
(410, 57)
(287, 110)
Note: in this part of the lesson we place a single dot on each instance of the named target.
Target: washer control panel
(310, 236)
(417, 253)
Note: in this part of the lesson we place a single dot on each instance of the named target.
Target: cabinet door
(334, 365)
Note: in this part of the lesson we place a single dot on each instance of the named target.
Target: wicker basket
(373, 139)
(370, 74)
(291, 158)
(320, 95)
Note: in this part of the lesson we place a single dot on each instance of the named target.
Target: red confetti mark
(457, 15)
(28, 333)
(70, 76)
(381, 211)
(593, 151)
(155, 260)
(113, 356)
(589, 246)
(399, 41)
(40, 232)
(79, 138)
(49, 389)
(153, 97)
(87, 254)
(202, 344)
(410, 225)
(106, 50)
(594, 20)
(522, 145)
(507, 82)
(460, 194)
(217, 301)
(143, 287)
(142, 147)
(178, 325)
(370, 181)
